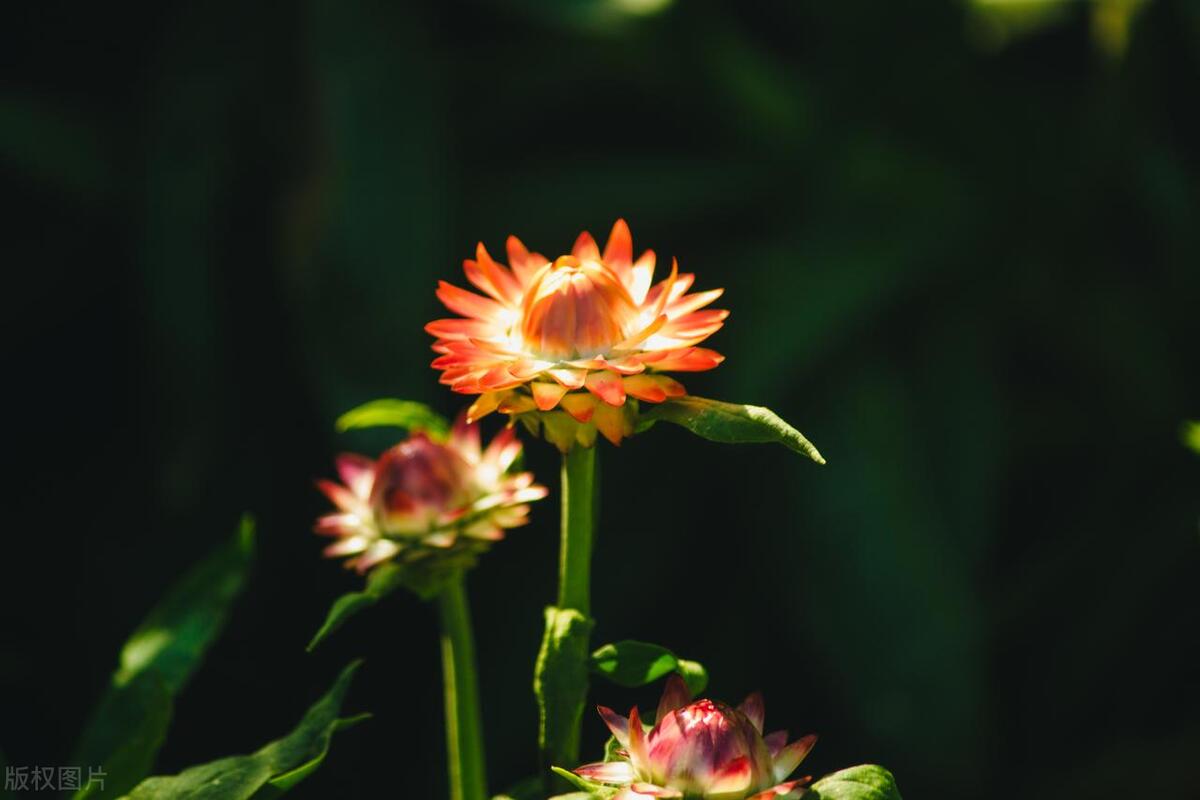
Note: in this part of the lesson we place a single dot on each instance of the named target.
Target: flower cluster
(700, 749)
(581, 333)
(425, 498)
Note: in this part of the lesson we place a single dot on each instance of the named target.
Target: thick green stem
(561, 677)
(464, 729)
(578, 516)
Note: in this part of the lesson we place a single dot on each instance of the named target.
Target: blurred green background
(961, 245)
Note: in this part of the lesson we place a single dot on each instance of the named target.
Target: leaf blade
(391, 412)
(129, 724)
(631, 664)
(864, 782)
(730, 423)
(272, 769)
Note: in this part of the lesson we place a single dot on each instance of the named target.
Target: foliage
(631, 664)
(269, 771)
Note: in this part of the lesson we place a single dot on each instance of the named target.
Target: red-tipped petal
(637, 739)
(524, 263)
(688, 303)
(467, 303)
(547, 395)
(790, 757)
(691, 359)
(675, 695)
(641, 276)
(357, 472)
(618, 772)
(507, 288)
(616, 723)
(792, 790)
(612, 422)
(754, 710)
(503, 449)
(653, 388)
(606, 385)
(461, 329)
(579, 406)
(735, 776)
(340, 496)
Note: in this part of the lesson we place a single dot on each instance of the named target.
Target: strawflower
(700, 749)
(426, 499)
(566, 343)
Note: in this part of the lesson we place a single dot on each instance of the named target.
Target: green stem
(578, 516)
(464, 729)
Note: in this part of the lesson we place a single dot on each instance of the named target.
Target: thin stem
(464, 729)
(578, 516)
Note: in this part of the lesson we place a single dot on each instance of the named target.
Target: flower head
(425, 498)
(581, 333)
(700, 749)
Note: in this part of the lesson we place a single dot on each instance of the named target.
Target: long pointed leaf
(730, 423)
(268, 772)
(127, 727)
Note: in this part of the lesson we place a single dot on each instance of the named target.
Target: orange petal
(580, 406)
(653, 388)
(485, 404)
(641, 275)
(467, 303)
(528, 367)
(524, 263)
(686, 305)
(507, 287)
(618, 252)
(606, 385)
(461, 328)
(570, 378)
(691, 359)
(546, 395)
(585, 248)
(516, 404)
(613, 422)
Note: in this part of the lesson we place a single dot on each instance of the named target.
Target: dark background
(961, 249)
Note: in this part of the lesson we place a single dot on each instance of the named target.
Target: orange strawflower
(580, 335)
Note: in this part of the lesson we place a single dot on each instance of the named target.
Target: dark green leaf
(561, 681)
(392, 413)
(730, 423)
(270, 771)
(865, 782)
(424, 580)
(631, 664)
(129, 724)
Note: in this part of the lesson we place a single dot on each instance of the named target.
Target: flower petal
(792, 790)
(775, 742)
(616, 723)
(568, 377)
(690, 359)
(653, 388)
(736, 775)
(637, 740)
(618, 772)
(790, 757)
(754, 710)
(675, 695)
(546, 395)
(467, 303)
(606, 385)
(357, 472)
(580, 406)
(585, 248)
(618, 252)
(524, 263)
(485, 404)
(641, 276)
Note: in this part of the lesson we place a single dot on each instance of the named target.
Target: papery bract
(581, 333)
(424, 498)
(700, 749)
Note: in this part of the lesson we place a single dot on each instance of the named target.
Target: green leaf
(392, 413)
(631, 664)
(730, 423)
(128, 726)
(270, 771)
(561, 679)
(1191, 435)
(424, 579)
(865, 782)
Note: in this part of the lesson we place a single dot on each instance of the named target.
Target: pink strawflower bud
(425, 498)
(700, 749)
(573, 338)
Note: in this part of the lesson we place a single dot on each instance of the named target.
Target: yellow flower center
(576, 309)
